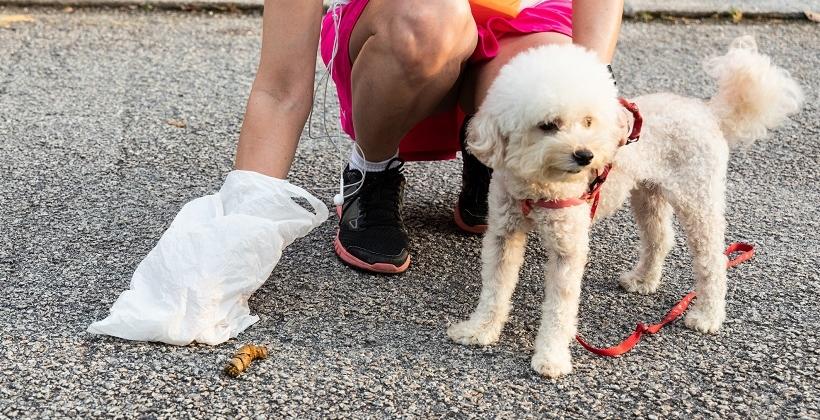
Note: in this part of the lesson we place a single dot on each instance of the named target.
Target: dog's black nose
(582, 157)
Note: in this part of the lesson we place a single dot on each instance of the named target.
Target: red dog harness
(637, 124)
(594, 191)
(592, 196)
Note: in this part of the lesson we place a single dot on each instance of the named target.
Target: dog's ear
(485, 141)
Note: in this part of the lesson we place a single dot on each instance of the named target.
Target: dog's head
(550, 115)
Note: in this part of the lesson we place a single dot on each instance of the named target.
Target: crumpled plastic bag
(195, 284)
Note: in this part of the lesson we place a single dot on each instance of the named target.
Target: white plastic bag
(195, 284)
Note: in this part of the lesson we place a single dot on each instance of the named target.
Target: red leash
(747, 251)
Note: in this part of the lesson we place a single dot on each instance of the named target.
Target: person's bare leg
(407, 60)
(282, 92)
(596, 25)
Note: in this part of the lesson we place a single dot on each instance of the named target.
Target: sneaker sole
(350, 259)
(477, 229)
(383, 268)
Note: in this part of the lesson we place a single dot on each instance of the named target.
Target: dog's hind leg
(565, 234)
(653, 215)
(704, 224)
(501, 256)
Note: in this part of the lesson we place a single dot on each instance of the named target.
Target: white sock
(358, 162)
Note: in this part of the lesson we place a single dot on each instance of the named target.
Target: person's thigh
(479, 78)
(408, 24)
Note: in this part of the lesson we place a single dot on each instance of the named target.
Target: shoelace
(381, 197)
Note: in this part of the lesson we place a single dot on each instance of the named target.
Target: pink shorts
(436, 138)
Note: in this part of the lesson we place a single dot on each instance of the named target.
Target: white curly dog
(550, 122)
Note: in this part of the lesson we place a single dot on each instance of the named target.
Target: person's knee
(429, 37)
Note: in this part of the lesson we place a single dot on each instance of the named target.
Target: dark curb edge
(230, 7)
(713, 15)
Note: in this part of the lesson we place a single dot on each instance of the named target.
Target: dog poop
(243, 358)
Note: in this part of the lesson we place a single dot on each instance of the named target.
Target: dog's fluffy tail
(753, 94)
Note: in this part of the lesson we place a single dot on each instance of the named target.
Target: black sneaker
(471, 208)
(371, 232)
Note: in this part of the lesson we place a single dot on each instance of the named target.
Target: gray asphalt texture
(708, 6)
(91, 174)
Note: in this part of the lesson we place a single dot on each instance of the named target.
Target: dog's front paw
(474, 333)
(705, 318)
(552, 364)
(634, 282)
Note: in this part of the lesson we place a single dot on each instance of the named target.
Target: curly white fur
(555, 101)
(753, 94)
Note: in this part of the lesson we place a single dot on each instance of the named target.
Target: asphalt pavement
(92, 172)
(713, 6)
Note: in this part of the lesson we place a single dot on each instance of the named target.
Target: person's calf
(408, 63)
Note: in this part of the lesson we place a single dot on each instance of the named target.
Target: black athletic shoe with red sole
(471, 209)
(371, 234)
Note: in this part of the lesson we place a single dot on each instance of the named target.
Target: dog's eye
(587, 122)
(548, 127)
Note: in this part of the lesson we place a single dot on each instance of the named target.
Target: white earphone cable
(336, 12)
